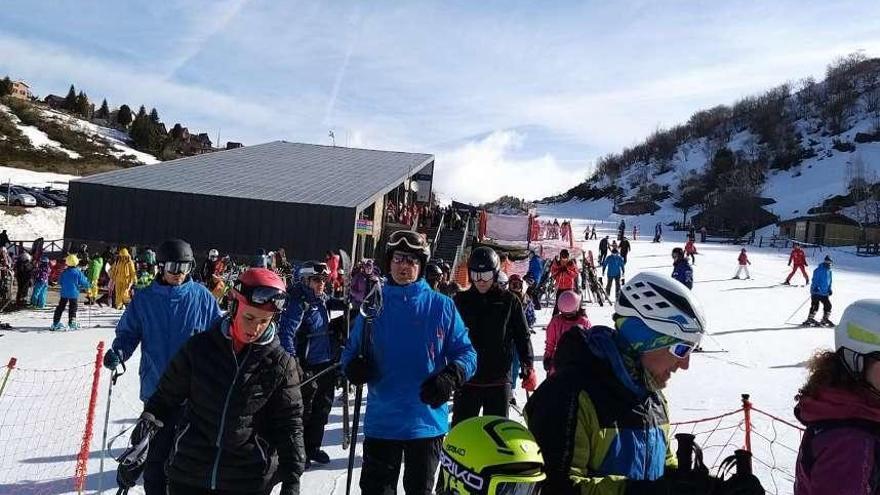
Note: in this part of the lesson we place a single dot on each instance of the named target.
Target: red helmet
(260, 288)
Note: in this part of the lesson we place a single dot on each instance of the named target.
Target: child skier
(71, 281)
(743, 264)
(570, 314)
(41, 283)
(690, 249)
(820, 291)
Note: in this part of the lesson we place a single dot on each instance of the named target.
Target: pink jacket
(558, 326)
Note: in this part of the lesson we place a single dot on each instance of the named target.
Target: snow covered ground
(117, 139)
(38, 138)
(35, 222)
(758, 352)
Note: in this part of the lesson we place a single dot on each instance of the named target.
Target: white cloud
(483, 170)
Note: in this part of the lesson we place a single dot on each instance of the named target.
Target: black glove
(288, 488)
(359, 371)
(740, 484)
(437, 389)
(548, 363)
(830, 292)
(681, 483)
(112, 359)
(132, 460)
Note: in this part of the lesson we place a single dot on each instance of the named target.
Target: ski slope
(762, 355)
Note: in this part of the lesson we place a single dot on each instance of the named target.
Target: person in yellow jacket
(124, 276)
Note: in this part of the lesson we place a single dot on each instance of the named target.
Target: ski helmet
(259, 288)
(314, 269)
(408, 241)
(175, 250)
(664, 305)
(433, 271)
(502, 280)
(569, 302)
(490, 455)
(484, 259)
(71, 260)
(25, 256)
(213, 254)
(858, 333)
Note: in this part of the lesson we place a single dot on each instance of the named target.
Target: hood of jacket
(834, 404)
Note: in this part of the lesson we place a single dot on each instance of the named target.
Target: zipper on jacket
(219, 441)
(177, 443)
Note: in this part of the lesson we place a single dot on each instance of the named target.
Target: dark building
(303, 197)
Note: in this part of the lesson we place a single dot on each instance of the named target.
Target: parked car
(56, 195)
(18, 196)
(42, 199)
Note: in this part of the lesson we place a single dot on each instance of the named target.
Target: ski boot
(73, 325)
(826, 320)
(810, 321)
(319, 456)
(58, 327)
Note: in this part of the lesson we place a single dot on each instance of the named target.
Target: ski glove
(359, 371)
(132, 460)
(680, 485)
(112, 359)
(437, 389)
(530, 379)
(740, 484)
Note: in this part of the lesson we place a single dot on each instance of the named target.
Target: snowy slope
(115, 138)
(37, 138)
(34, 222)
(763, 357)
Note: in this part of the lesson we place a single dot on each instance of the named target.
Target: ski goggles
(681, 350)
(410, 259)
(263, 296)
(406, 239)
(177, 267)
(482, 276)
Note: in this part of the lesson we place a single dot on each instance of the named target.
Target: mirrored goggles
(409, 259)
(177, 267)
(681, 350)
(482, 276)
(502, 485)
(263, 296)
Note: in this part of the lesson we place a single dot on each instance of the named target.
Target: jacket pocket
(177, 438)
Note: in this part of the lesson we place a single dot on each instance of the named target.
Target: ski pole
(318, 375)
(114, 375)
(798, 309)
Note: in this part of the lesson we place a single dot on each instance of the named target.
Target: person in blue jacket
(535, 272)
(306, 333)
(681, 269)
(161, 319)
(72, 281)
(614, 265)
(820, 291)
(416, 353)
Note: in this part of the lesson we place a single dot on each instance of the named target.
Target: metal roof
(277, 171)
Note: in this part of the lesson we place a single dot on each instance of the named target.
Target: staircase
(447, 245)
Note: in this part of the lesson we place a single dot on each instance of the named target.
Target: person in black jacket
(624, 248)
(496, 322)
(603, 249)
(241, 431)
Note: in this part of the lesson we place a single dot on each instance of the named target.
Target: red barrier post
(83, 458)
(747, 412)
(9, 368)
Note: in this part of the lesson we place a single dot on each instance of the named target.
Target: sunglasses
(262, 296)
(409, 259)
(177, 267)
(482, 276)
(681, 350)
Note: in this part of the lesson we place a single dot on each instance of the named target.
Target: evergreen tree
(142, 112)
(140, 132)
(82, 105)
(154, 116)
(5, 87)
(123, 116)
(104, 111)
(70, 100)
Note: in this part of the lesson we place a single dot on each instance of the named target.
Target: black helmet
(484, 259)
(176, 250)
(433, 270)
(408, 241)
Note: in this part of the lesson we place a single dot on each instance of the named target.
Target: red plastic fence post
(9, 368)
(747, 412)
(83, 458)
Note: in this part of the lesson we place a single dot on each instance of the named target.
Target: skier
(840, 406)
(601, 420)
(744, 263)
(434, 276)
(472, 447)
(305, 333)
(603, 249)
(624, 248)
(798, 261)
(41, 283)
(593, 232)
(260, 260)
(333, 262)
(621, 229)
(565, 273)
(237, 435)
(160, 320)
(615, 265)
(496, 325)
(658, 232)
(124, 276)
(690, 251)
(681, 270)
(416, 353)
(703, 232)
(71, 281)
(571, 314)
(208, 268)
(364, 275)
(24, 274)
(820, 291)
(96, 266)
(517, 286)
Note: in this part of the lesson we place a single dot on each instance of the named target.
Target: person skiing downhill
(690, 251)
(743, 264)
(160, 320)
(797, 260)
(820, 292)
(570, 314)
(840, 407)
(416, 352)
(241, 428)
(496, 326)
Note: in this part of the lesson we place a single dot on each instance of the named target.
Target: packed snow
(117, 139)
(754, 349)
(35, 222)
(38, 138)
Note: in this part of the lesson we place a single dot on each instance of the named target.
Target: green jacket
(597, 427)
(95, 267)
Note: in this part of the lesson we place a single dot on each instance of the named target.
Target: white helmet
(665, 305)
(213, 253)
(858, 333)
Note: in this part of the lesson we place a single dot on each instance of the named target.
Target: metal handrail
(437, 236)
(460, 249)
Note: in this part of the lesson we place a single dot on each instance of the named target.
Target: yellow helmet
(72, 260)
(490, 455)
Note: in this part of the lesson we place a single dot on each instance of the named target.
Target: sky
(513, 97)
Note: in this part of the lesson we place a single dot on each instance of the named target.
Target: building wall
(107, 214)
(20, 91)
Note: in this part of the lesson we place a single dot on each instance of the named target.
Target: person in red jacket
(797, 259)
(565, 273)
(332, 260)
(743, 264)
(690, 249)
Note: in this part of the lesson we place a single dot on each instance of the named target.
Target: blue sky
(514, 97)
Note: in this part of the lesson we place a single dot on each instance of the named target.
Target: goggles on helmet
(408, 239)
(681, 350)
(502, 485)
(482, 276)
(264, 296)
(177, 267)
(409, 259)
